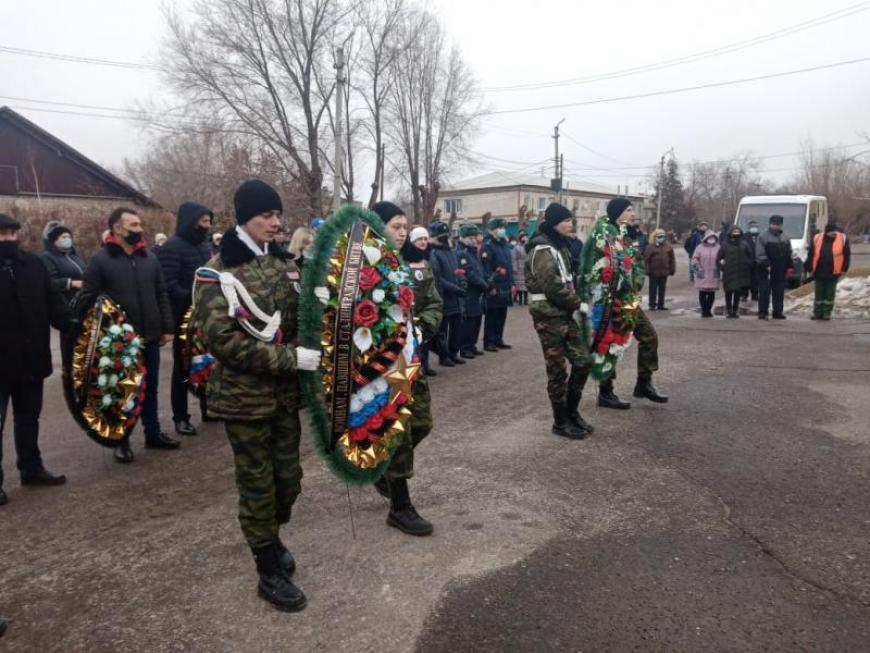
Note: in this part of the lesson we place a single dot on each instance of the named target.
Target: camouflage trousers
(268, 473)
(562, 340)
(647, 347)
(418, 427)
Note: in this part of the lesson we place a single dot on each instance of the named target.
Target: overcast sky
(514, 42)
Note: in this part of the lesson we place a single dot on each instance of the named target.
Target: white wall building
(503, 194)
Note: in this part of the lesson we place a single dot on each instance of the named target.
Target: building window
(542, 204)
(453, 206)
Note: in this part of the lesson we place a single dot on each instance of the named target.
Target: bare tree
(382, 42)
(263, 68)
(435, 104)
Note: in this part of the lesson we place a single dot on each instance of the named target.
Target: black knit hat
(555, 214)
(616, 207)
(8, 222)
(255, 197)
(55, 232)
(776, 219)
(439, 228)
(387, 211)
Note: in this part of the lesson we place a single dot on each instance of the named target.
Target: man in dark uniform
(29, 305)
(773, 257)
(498, 271)
(451, 286)
(471, 265)
(555, 309)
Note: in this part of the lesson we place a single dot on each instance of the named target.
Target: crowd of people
(584, 302)
(759, 265)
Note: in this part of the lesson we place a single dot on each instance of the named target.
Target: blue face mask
(660, 240)
(65, 243)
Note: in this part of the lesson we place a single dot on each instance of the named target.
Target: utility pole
(339, 128)
(556, 182)
(661, 192)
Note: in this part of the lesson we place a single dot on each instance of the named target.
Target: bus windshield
(794, 217)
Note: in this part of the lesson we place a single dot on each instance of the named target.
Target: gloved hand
(584, 308)
(461, 292)
(322, 293)
(307, 359)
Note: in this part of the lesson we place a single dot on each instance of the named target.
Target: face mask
(133, 237)
(500, 233)
(660, 240)
(710, 241)
(8, 248)
(65, 243)
(443, 239)
(753, 230)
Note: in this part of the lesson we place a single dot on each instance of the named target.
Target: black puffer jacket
(135, 283)
(30, 305)
(182, 254)
(63, 268)
(451, 287)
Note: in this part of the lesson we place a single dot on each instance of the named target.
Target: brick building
(42, 178)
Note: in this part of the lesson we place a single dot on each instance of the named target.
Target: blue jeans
(150, 419)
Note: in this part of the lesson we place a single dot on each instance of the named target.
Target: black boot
(644, 389)
(572, 408)
(184, 427)
(123, 453)
(285, 560)
(383, 487)
(161, 441)
(608, 399)
(403, 515)
(274, 585)
(562, 426)
(42, 477)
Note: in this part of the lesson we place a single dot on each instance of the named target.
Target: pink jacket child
(705, 263)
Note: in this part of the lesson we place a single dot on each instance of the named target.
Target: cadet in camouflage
(253, 386)
(427, 315)
(555, 306)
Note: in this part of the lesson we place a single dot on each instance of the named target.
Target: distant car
(802, 217)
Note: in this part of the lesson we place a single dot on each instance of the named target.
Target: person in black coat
(452, 286)
(498, 271)
(751, 237)
(179, 259)
(30, 306)
(128, 272)
(470, 263)
(66, 270)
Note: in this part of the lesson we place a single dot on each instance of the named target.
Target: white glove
(322, 293)
(584, 308)
(307, 359)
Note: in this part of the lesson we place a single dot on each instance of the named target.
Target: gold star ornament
(401, 378)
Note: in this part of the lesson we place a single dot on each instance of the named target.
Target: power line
(685, 89)
(57, 56)
(691, 58)
(70, 104)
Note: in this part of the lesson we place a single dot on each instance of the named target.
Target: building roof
(503, 180)
(34, 162)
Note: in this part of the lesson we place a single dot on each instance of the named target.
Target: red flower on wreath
(359, 435)
(406, 298)
(607, 274)
(628, 263)
(390, 258)
(366, 313)
(369, 278)
(374, 422)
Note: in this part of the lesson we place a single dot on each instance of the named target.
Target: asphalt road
(735, 518)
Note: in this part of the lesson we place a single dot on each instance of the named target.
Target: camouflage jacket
(427, 300)
(550, 276)
(250, 378)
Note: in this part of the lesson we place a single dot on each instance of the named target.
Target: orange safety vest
(839, 244)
